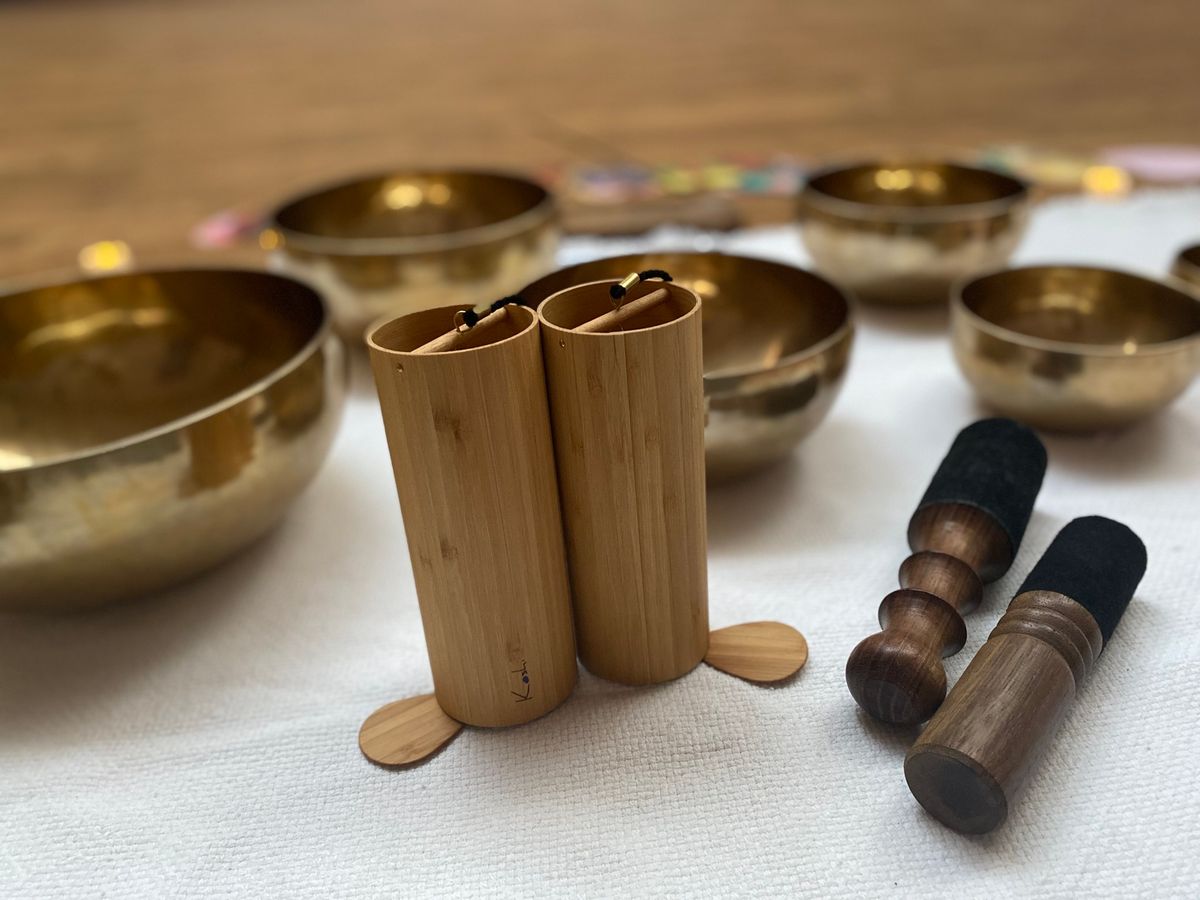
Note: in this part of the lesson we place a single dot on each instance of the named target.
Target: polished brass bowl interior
(397, 243)
(1075, 348)
(151, 424)
(904, 232)
(1187, 266)
(776, 346)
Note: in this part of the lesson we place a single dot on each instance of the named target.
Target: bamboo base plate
(761, 652)
(407, 731)
(410, 731)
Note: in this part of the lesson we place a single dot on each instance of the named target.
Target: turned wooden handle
(964, 533)
(976, 754)
(896, 675)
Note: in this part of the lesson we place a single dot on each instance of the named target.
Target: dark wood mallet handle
(975, 755)
(965, 533)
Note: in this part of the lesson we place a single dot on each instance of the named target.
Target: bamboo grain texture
(469, 438)
(628, 414)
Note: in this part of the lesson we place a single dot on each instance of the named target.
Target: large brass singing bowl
(904, 233)
(1074, 348)
(397, 243)
(776, 346)
(152, 424)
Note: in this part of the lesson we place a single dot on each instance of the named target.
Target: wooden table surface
(133, 119)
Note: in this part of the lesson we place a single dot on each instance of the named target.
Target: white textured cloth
(204, 742)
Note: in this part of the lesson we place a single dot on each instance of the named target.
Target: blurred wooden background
(136, 119)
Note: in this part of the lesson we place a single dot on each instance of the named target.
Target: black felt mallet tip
(995, 465)
(1096, 562)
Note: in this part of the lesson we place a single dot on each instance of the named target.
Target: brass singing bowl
(903, 233)
(1075, 348)
(1187, 267)
(152, 424)
(393, 244)
(776, 346)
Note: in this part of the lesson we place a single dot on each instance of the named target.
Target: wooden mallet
(974, 756)
(965, 533)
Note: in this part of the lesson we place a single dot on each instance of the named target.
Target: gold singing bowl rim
(1187, 266)
(541, 207)
(974, 285)
(729, 374)
(726, 378)
(321, 334)
(822, 190)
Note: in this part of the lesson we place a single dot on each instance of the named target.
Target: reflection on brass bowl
(904, 233)
(776, 346)
(1187, 266)
(1074, 348)
(151, 424)
(393, 244)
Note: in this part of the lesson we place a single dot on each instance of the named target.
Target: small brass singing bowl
(1075, 348)
(776, 346)
(393, 244)
(1187, 267)
(903, 233)
(152, 424)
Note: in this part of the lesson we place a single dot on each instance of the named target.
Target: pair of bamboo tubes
(530, 440)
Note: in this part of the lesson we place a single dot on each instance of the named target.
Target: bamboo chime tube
(469, 436)
(628, 421)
